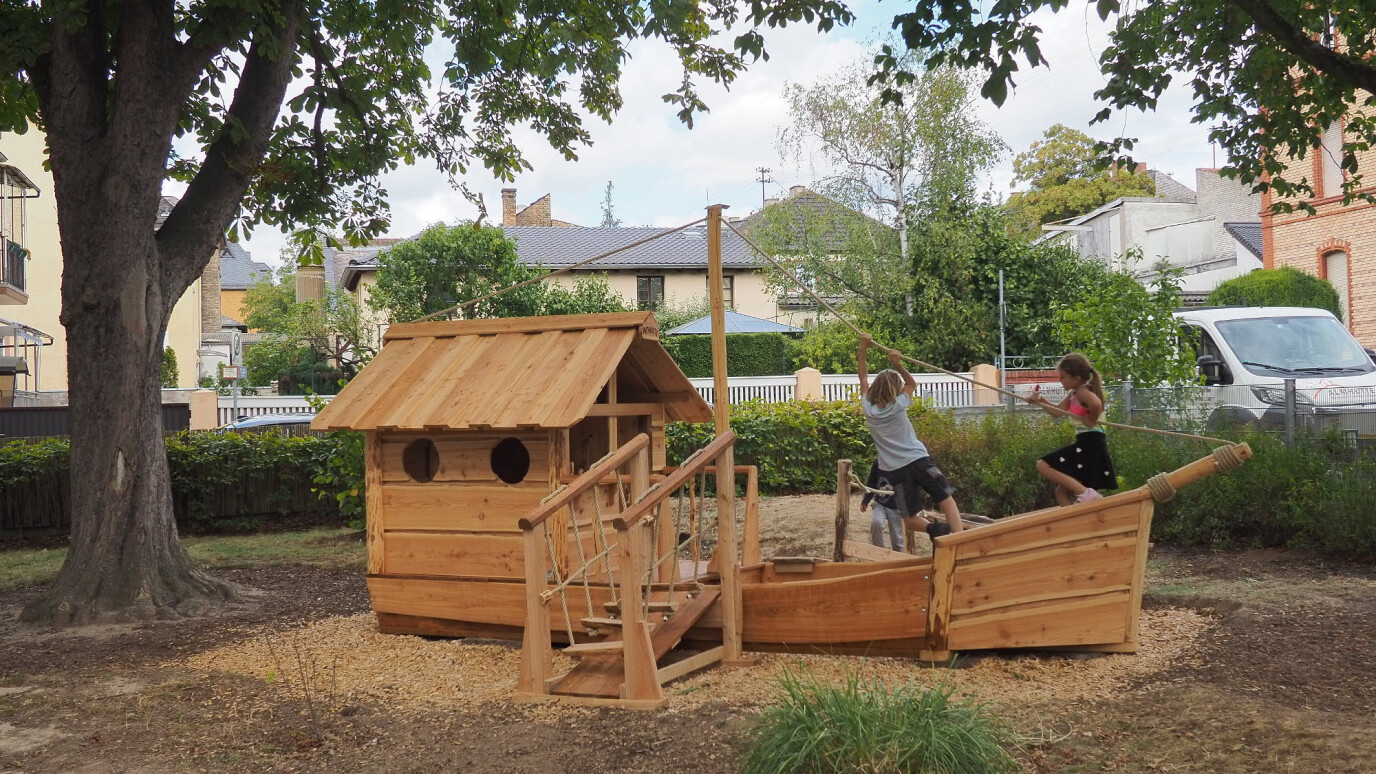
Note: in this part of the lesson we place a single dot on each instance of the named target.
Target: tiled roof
(1248, 235)
(238, 270)
(555, 247)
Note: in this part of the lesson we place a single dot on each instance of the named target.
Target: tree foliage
(1129, 332)
(449, 265)
(1064, 178)
(1286, 286)
(168, 374)
(332, 337)
(1267, 77)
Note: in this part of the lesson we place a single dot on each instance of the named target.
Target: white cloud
(665, 174)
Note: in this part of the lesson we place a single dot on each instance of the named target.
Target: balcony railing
(12, 259)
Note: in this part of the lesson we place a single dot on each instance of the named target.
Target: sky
(665, 174)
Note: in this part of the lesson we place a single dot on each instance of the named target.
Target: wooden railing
(634, 546)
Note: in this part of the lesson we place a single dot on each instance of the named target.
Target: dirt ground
(1258, 662)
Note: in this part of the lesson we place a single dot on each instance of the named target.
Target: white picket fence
(938, 389)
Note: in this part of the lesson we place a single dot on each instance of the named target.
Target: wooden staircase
(601, 668)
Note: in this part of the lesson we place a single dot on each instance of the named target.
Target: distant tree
(609, 220)
(447, 265)
(892, 158)
(1064, 179)
(1286, 286)
(168, 370)
(674, 311)
(590, 295)
(1129, 332)
(331, 335)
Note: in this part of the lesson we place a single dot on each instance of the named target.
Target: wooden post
(750, 541)
(729, 562)
(374, 516)
(537, 654)
(638, 653)
(838, 552)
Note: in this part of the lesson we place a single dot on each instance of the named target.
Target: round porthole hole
(511, 460)
(421, 460)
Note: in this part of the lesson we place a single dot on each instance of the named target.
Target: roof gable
(508, 373)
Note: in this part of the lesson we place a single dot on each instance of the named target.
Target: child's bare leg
(1061, 480)
(952, 514)
(916, 523)
(1063, 497)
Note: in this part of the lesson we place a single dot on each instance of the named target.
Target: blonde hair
(1078, 366)
(885, 387)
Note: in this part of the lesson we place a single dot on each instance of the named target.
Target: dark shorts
(1086, 461)
(911, 480)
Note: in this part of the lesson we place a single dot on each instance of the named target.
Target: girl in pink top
(1082, 468)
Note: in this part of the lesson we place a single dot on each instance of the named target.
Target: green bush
(1286, 286)
(220, 481)
(747, 354)
(1311, 496)
(167, 371)
(870, 727)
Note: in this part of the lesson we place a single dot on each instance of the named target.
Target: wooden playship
(517, 488)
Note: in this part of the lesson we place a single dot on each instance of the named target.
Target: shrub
(869, 727)
(220, 481)
(1286, 286)
(167, 371)
(747, 354)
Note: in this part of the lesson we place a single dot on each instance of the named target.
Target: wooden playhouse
(469, 425)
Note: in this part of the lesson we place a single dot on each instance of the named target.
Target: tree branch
(1314, 53)
(194, 226)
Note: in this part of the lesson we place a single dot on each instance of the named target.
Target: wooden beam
(537, 654)
(374, 513)
(623, 409)
(638, 658)
(644, 321)
(750, 540)
(691, 664)
(838, 551)
(675, 480)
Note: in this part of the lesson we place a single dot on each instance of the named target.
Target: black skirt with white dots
(1086, 460)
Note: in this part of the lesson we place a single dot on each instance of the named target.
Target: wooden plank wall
(1063, 578)
(463, 522)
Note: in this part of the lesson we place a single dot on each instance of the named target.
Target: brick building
(1337, 242)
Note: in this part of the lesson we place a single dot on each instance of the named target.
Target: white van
(1249, 352)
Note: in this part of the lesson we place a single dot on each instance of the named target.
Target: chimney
(796, 190)
(508, 206)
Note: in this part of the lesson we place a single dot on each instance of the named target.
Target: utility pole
(764, 178)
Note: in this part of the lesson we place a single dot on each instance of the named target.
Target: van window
(1202, 343)
(1287, 346)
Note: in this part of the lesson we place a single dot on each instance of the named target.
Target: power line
(764, 178)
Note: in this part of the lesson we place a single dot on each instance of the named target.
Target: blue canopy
(735, 323)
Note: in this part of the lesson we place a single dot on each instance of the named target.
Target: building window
(728, 290)
(1331, 160)
(649, 292)
(1335, 271)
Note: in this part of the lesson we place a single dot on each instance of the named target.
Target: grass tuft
(870, 728)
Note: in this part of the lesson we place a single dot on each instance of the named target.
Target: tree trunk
(125, 561)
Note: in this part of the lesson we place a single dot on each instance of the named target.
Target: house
(1195, 230)
(1338, 242)
(34, 326)
(20, 345)
(671, 269)
(815, 231)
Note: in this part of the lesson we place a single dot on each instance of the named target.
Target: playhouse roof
(510, 373)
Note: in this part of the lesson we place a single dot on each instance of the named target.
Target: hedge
(747, 354)
(220, 481)
(1286, 286)
(1315, 495)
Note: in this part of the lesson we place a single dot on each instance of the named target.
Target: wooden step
(655, 607)
(599, 623)
(601, 674)
(595, 648)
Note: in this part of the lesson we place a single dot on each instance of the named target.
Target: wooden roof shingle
(508, 373)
